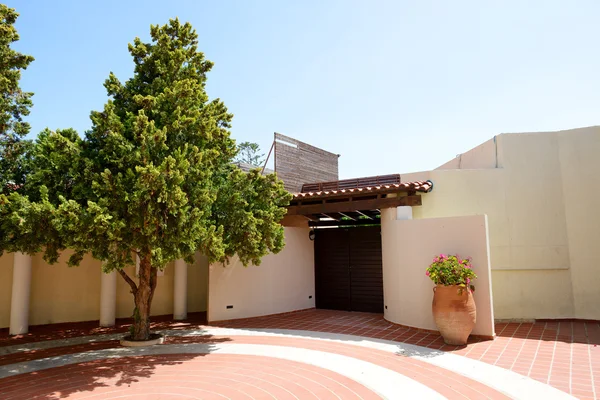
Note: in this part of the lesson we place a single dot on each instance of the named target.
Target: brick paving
(213, 376)
(562, 354)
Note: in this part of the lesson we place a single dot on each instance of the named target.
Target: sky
(392, 86)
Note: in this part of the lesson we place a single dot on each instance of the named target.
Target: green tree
(152, 178)
(14, 105)
(249, 153)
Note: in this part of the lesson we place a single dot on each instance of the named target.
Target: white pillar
(108, 298)
(180, 290)
(21, 289)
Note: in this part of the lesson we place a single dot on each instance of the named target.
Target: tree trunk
(143, 299)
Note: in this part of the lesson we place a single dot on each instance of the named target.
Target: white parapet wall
(281, 283)
(408, 248)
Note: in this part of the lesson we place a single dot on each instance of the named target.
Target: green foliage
(249, 153)
(27, 226)
(14, 105)
(152, 177)
(153, 174)
(451, 270)
(55, 164)
(250, 207)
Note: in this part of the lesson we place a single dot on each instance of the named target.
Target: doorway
(348, 269)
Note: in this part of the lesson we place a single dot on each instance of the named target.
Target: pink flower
(468, 266)
(468, 280)
(427, 273)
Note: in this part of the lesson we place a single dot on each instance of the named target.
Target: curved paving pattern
(191, 363)
(212, 376)
(361, 350)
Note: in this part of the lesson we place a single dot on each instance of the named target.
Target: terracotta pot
(454, 313)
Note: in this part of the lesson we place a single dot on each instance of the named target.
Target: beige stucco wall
(63, 294)
(580, 171)
(283, 282)
(544, 222)
(6, 273)
(486, 155)
(198, 284)
(408, 246)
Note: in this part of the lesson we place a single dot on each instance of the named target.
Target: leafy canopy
(14, 105)
(153, 176)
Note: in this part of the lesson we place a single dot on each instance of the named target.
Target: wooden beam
(344, 223)
(329, 216)
(355, 205)
(267, 160)
(347, 216)
(363, 214)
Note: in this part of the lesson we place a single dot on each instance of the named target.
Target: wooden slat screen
(297, 163)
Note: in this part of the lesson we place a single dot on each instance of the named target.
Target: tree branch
(129, 281)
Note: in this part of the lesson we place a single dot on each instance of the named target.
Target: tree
(14, 105)
(249, 153)
(152, 178)
(25, 225)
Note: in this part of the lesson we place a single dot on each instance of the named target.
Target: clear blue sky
(392, 86)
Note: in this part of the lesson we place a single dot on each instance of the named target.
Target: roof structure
(355, 201)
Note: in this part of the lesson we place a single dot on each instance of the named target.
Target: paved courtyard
(315, 354)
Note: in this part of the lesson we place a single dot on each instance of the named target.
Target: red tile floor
(564, 355)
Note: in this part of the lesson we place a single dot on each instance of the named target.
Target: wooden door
(348, 269)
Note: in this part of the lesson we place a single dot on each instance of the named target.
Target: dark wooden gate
(348, 271)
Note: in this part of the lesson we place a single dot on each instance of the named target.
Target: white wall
(408, 247)
(282, 283)
(540, 192)
(63, 294)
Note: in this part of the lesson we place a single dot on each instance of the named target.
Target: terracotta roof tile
(417, 186)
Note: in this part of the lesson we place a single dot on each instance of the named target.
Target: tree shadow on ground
(122, 368)
(40, 333)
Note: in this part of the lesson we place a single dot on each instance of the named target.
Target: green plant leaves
(449, 270)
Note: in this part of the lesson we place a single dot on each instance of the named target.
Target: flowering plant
(449, 270)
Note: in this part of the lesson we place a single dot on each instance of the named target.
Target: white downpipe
(21, 290)
(180, 290)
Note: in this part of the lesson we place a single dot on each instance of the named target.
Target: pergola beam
(329, 216)
(347, 216)
(349, 206)
(359, 222)
(363, 214)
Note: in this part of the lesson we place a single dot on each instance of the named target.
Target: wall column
(180, 290)
(108, 298)
(21, 289)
